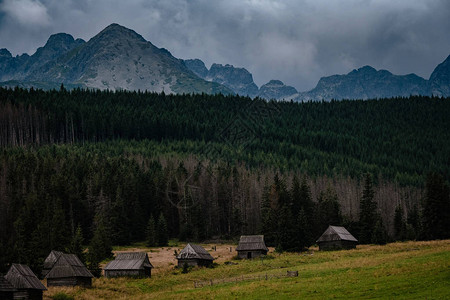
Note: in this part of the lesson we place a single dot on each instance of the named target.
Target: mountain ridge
(120, 58)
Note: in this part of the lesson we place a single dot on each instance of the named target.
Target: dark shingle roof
(129, 261)
(252, 243)
(5, 286)
(68, 265)
(192, 251)
(336, 233)
(51, 259)
(21, 277)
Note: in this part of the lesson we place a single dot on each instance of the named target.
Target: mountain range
(119, 58)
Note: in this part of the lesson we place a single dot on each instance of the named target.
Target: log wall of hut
(70, 281)
(337, 245)
(194, 262)
(147, 272)
(7, 295)
(28, 294)
(250, 254)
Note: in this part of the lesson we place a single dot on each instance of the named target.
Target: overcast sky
(296, 41)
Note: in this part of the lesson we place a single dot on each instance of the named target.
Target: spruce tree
(151, 233)
(436, 208)
(162, 232)
(399, 224)
(100, 247)
(367, 211)
(76, 244)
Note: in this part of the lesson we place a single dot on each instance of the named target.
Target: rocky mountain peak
(5, 53)
(440, 79)
(276, 89)
(118, 32)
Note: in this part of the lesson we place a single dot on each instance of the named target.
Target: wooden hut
(132, 264)
(194, 255)
(251, 246)
(25, 282)
(336, 238)
(68, 270)
(6, 289)
(50, 261)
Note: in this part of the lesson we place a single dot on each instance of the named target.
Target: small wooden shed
(194, 255)
(50, 261)
(251, 246)
(131, 264)
(336, 238)
(68, 270)
(25, 282)
(6, 289)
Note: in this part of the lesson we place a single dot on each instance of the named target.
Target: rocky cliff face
(275, 89)
(366, 83)
(440, 79)
(116, 58)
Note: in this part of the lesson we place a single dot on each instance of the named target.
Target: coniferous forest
(95, 168)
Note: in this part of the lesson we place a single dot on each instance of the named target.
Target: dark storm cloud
(294, 41)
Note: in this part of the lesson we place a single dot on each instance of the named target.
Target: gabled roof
(336, 233)
(5, 286)
(129, 261)
(21, 277)
(68, 265)
(251, 243)
(51, 259)
(192, 251)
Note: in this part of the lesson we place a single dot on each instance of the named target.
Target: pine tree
(304, 238)
(76, 244)
(151, 233)
(399, 224)
(162, 232)
(328, 211)
(367, 212)
(436, 208)
(100, 247)
(379, 235)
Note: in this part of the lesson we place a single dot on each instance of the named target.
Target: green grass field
(410, 270)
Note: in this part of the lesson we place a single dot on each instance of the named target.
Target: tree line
(401, 138)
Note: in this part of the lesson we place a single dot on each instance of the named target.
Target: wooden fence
(211, 282)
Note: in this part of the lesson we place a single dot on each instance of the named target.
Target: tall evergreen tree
(162, 231)
(151, 233)
(100, 247)
(399, 224)
(436, 208)
(76, 244)
(367, 211)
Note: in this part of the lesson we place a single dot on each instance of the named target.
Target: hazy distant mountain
(366, 83)
(119, 58)
(275, 89)
(116, 58)
(239, 80)
(440, 79)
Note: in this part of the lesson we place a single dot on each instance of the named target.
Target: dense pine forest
(98, 168)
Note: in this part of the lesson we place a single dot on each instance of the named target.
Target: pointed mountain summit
(276, 89)
(440, 79)
(116, 58)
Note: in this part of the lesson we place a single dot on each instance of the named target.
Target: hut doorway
(249, 255)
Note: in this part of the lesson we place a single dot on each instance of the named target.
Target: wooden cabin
(194, 255)
(50, 261)
(6, 289)
(68, 270)
(25, 282)
(336, 238)
(129, 264)
(251, 246)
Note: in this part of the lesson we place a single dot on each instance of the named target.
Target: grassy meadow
(408, 270)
